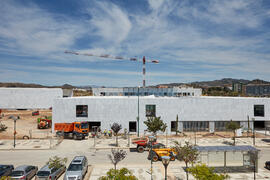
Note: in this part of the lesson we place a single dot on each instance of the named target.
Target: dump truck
(75, 130)
(142, 144)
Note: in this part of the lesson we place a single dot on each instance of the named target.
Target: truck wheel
(140, 149)
(75, 137)
(155, 157)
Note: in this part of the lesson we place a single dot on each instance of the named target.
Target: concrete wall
(28, 98)
(125, 109)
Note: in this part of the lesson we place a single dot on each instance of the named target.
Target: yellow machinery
(158, 153)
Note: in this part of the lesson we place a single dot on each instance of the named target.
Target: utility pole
(253, 119)
(138, 117)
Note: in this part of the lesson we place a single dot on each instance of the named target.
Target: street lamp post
(165, 162)
(253, 119)
(151, 140)
(14, 119)
(138, 118)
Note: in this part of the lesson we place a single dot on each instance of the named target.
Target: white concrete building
(134, 91)
(195, 113)
(28, 98)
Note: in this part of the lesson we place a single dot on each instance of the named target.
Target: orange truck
(75, 130)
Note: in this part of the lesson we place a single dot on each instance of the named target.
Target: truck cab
(81, 130)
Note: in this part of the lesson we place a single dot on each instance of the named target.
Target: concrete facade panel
(28, 98)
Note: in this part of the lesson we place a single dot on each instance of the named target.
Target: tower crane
(144, 61)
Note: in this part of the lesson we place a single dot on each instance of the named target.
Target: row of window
(82, 110)
(150, 110)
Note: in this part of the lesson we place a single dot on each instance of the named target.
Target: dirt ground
(26, 123)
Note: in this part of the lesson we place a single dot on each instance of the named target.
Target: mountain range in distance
(225, 82)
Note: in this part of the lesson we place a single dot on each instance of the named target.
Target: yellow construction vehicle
(156, 154)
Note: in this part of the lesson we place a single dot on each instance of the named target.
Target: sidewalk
(107, 143)
(28, 144)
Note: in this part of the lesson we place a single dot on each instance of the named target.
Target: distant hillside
(23, 85)
(226, 82)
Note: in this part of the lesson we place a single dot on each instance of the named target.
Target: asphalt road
(40, 157)
(72, 148)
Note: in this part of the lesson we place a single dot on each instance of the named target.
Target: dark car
(5, 170)
(50, 173)
(24, 172)
(267, 165)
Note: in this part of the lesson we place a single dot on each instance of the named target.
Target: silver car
(77, 169)
(24, 172)
(46, 173)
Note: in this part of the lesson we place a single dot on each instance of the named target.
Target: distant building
(135, 91)
(257, 90)
(237, 87)
(67, 92)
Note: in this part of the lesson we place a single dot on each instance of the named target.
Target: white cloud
(155, 4)
(30, 30)
(111, 22)
(172, 31)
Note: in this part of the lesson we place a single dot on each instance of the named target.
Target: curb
(110, 148)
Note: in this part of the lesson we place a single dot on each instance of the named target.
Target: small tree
(2, 127)
(186, 153)
(116, 128)
(233, 126)
(56, 162)
(117, 156)
(203, 172)
(122, 174)
(155, 124)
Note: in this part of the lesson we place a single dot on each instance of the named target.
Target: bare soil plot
(26, 123)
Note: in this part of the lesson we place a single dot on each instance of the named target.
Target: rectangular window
(196, 126)
(150, 110)
(132, 126)
(173, 126)
(259, 110)
(81, 111)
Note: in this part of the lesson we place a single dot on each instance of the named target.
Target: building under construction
(203, 113)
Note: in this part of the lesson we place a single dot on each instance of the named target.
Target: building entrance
(259, 124)
(94, 125)
(132, 126)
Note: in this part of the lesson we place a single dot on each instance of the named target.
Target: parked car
(24, 172)
(5, 170)
(267, 165)
(77, 169)
(46, 173)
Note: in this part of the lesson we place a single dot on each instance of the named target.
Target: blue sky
(193, 40)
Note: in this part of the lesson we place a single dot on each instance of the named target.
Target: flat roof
(161, 97)
(226, 148)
